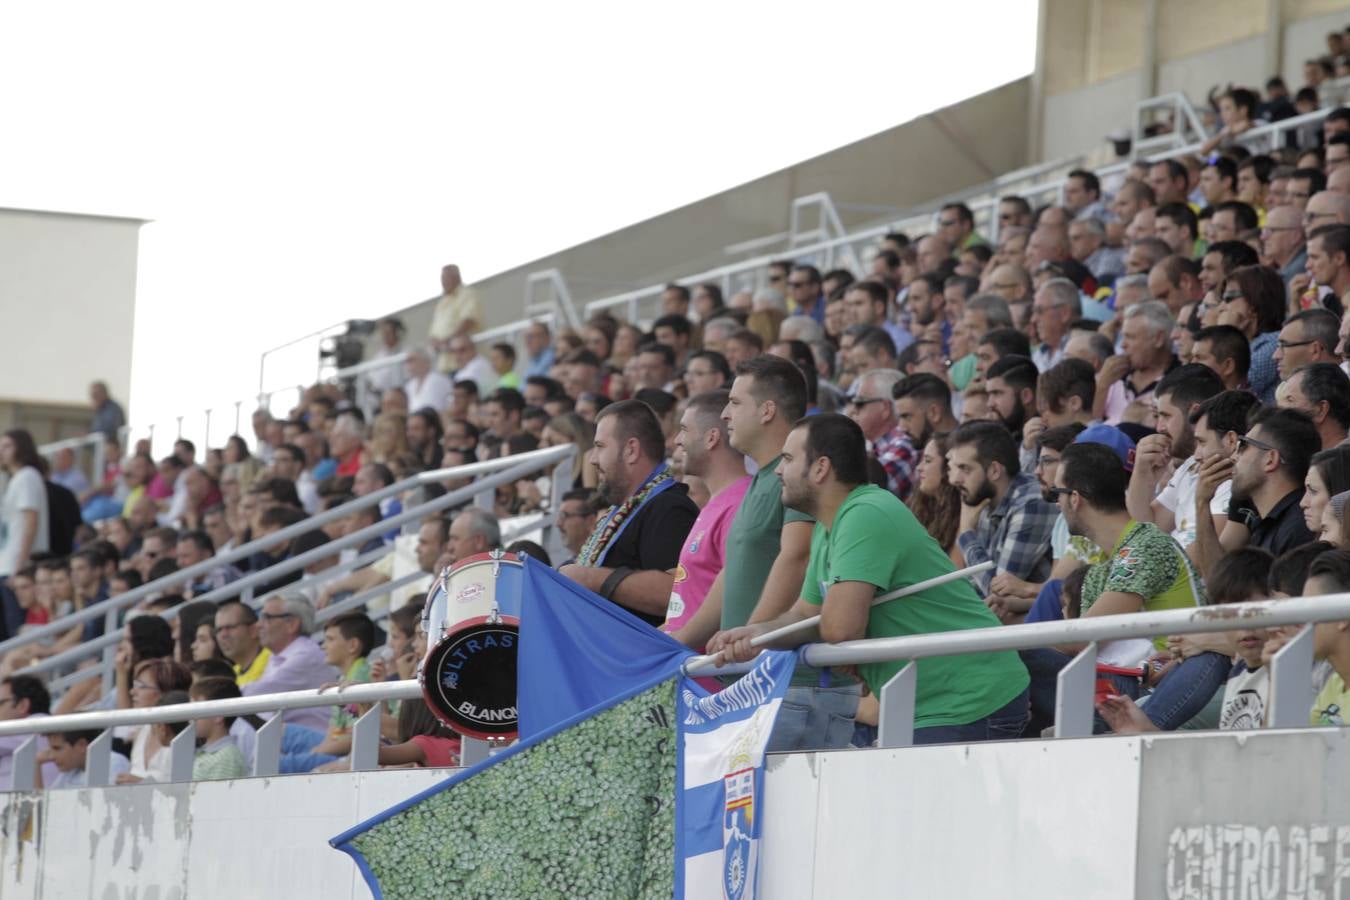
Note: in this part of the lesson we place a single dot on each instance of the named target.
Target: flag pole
(702, 662)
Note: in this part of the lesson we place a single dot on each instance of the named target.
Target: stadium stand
(1125, 388)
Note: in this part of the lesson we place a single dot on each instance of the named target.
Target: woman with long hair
(935, 502)
(625, 345)
(425, 432)
(1328, 475)
(23, 507)
(388, 437)
(570, 428)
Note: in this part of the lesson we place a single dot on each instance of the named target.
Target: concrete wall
(936, 154)
(1096, 56)
(72, 277)
(1251, 815)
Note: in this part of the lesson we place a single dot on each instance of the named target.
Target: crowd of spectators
(1135, 399)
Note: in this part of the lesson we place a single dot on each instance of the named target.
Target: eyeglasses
(860, 402)
(271, 617)
(1055, 493)
(1245, 441)
(1288, 345)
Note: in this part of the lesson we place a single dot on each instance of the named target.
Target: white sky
(308, 162)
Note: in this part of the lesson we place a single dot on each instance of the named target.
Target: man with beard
(1267, 468)
(866, 543)
(1145, 570)
(926, 303)
(1011, 383)
(771, 546)
(923, 407)
(636, 543)
(1172, 508)
(702, 438)
(1003, 516)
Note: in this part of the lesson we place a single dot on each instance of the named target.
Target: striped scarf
(615, 516)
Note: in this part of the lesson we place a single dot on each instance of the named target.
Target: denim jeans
(1179, 697)
(1003, 724)
(297, 750)
(1186, 689)
(815, 718)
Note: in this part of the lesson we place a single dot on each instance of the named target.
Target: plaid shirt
(898, 457)
(1264, 373)
(1015, 535)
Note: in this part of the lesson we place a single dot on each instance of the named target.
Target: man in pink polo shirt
(708, 454)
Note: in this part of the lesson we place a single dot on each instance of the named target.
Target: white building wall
(67, 298)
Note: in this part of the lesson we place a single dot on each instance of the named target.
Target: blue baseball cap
(1112, 437)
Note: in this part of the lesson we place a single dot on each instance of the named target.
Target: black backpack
(63, 517)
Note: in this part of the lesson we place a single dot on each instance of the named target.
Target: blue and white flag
(720, 753)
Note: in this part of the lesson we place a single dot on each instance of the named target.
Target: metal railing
(495, 472)
(267, 750)
(1290, 692)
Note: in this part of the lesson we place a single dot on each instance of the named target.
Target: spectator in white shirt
(426, 387)
(23, 507)
(470, 365)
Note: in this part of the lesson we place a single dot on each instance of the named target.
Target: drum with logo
(472, 623)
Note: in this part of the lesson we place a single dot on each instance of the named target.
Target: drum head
(469, 679)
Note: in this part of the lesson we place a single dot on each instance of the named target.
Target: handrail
(371, 692)
(542, 456)
(286, 566)
(1195, 620)
(1290, 674)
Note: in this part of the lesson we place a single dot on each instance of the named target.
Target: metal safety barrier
(1290, 692)
(494, 473)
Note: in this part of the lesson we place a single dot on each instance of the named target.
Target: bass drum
(472, 623)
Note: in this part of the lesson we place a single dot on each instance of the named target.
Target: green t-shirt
(876, 539)
(341, 720)
(1146, 561)
(752, 546)
(962, 371)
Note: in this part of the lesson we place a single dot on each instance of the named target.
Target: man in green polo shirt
(865, 543)
(768, 547)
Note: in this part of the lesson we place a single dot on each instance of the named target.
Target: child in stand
(218, 755)
(67, 750)
(347, 642)
(424, 741)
